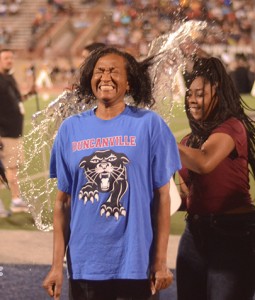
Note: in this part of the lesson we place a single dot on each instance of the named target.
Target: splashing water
(173, 52)
(36, 187)
(166, 73)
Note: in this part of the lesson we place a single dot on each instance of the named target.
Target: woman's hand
(53, 283)
(160, 278)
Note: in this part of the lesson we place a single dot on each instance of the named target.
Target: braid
(250, 129)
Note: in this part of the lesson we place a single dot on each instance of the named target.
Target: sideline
(35, 247)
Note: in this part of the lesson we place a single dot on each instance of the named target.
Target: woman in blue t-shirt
(113, 164)
(216, 256)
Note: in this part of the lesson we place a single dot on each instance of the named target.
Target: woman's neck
(107, 112)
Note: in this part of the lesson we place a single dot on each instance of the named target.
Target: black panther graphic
(106, 172)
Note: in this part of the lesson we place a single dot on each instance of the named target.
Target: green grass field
(175, 118)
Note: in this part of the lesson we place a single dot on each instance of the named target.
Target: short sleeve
(166, 159)
(58, 163)
(237, 131)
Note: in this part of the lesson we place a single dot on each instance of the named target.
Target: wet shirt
(111, 168)
(227, 186)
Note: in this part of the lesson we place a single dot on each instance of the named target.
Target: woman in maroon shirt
(216, 256)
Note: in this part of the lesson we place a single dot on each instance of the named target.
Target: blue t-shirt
(111, 168)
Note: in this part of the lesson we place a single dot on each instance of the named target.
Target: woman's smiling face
(200, 98)
(109, 80)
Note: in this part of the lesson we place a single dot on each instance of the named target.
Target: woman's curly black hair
(137, 74)
(229, 104)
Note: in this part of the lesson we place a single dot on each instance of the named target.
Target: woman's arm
(202, 161)
(161, 277)
(61, 221)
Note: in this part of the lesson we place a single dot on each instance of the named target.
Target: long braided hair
(226, 103)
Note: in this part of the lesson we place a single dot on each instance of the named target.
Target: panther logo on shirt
(106, 172)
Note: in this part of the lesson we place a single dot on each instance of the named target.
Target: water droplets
(36, 188)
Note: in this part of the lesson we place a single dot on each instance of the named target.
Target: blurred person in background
(240, 74)
(89, 48)
(11, 128)
(112, 208)
(216, 255)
